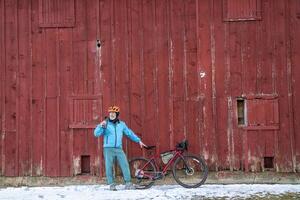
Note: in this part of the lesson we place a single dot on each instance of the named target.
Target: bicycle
(188, 170)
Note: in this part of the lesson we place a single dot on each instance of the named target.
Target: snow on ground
(89, 192)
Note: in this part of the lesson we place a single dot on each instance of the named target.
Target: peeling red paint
(175, 67)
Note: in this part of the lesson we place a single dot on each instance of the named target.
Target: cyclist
(113, 129)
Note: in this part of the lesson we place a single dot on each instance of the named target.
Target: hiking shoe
(112, 187)
(129, 186)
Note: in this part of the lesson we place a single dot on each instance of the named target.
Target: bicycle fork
(188, 169)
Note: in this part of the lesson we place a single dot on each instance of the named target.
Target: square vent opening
(85, 164)
(269, 162)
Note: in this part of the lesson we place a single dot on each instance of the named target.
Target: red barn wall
(177, 68)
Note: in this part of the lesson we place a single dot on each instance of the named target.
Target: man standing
(112, 130)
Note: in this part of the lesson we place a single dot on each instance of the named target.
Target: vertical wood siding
(175, 67)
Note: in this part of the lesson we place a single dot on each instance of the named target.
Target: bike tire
(194, 177)
(139, 178)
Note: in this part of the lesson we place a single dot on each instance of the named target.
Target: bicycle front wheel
(142, 172)
(190, 171)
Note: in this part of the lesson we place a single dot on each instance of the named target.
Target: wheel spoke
(190, 172)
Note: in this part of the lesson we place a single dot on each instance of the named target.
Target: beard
(112, 118)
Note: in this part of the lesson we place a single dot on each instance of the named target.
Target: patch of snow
(161, 192)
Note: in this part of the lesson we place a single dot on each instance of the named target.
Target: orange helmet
(114, 109)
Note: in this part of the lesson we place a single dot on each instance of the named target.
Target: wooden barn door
(85, 99)
(260, 137)
(73, 98)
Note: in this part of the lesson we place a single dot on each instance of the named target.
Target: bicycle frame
(178, 153)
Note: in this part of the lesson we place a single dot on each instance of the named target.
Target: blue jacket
(113, 134)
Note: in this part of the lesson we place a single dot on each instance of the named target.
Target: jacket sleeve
(130, 134)
(99, 130)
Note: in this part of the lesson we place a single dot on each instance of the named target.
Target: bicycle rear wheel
(142, 172)
(190, 171)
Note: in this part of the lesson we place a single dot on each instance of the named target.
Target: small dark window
(85, 164)
(241, 111)
(268, 162)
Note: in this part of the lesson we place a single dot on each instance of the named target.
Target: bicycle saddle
(149, 147)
